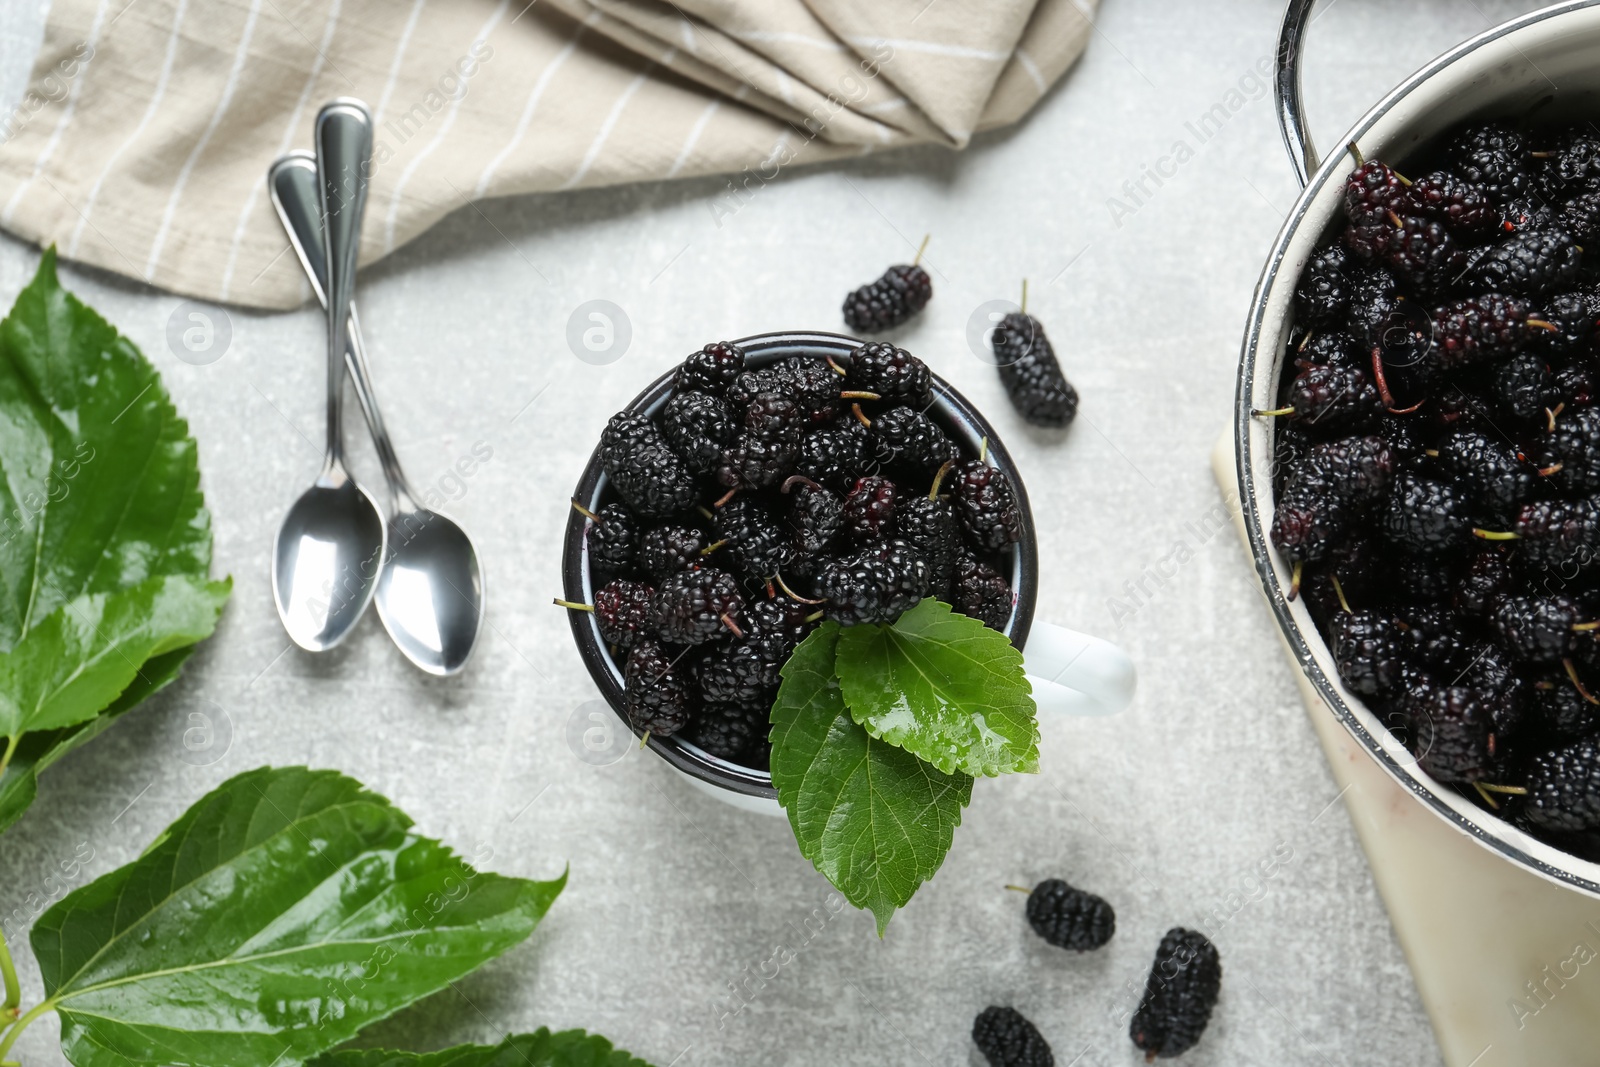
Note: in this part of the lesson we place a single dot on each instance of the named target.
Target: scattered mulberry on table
(1070, 918)
(900, 293)
(1007, 1039)
(1179, 995)
(1031, 373)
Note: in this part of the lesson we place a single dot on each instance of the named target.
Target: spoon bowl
(326, 559)
(430, 592)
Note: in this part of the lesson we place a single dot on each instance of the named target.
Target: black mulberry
(1007, 1039)
(656, 694)
(890, 301)
(986, 505)
(1070, 918)
(647, 474)
(893, 374)
(1178, 996)
(1031, 373)
(692, 607)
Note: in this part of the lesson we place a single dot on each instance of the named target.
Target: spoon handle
(344, 152)
(292, 184)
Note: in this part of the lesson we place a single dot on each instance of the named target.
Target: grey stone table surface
(676, 900)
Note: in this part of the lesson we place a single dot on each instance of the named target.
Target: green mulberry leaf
(87, 652)
(101, 486)
(874, 819)
(945, 688)
(279, 915)
(105, 542)
(564, 1048)
(20, 780)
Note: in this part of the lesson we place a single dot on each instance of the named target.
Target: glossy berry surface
(1007, 1039)
(710, 370)
(665, 550)
(754, 502)
(890, 301)
(695, 606)
(907, 439)
(1446, 536)
(613, 540)
(1070, 918)
(1185, 981)
(624, 610)
(648, 474)
(1032, 374)
(893, 374)
(657, 694)
(986, 504)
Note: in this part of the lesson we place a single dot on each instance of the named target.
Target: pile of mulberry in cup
(1438, 464)
(760, 500)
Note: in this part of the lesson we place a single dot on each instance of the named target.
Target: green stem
(22, 1024)
(8, 972)
(11, 750)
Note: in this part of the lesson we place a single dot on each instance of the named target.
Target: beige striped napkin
(143, 143)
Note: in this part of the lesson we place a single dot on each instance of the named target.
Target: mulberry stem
(1572, 672)
(807, 600)
(1339, 591)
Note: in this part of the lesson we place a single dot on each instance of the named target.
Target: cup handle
(1076, 674)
